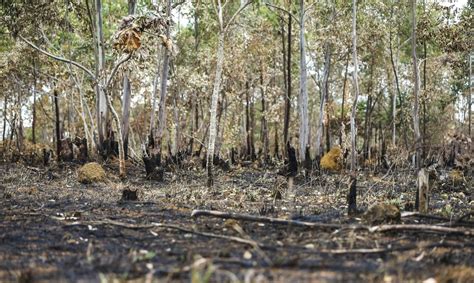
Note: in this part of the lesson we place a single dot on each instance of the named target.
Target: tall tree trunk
(352, 197)
(324, 94)
(368, 111)
(424, 97)
(265, 141)
(101, 100)
(163, 88)
(126, 113)
(214, 100)
(5, 102)
(127, 95)
(33, 124)
(217, 85)
(469, 99)
(285, 82)
(395, 94)
(286, 123)
(58, 130)
(303, 97)
(152, 134)
(343, 101)
(416, 90)
(195, 114)
(248, 137)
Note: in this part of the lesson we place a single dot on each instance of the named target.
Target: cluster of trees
(236, 78)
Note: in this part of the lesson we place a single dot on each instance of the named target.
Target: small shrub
(332, 160)
(91, 173)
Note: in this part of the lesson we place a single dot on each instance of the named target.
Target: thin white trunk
(163, 85)
(356, 87)
(303, 97)
(324, 94)
(416, 90)
(101, 99)
(154, 95)
(213, 111)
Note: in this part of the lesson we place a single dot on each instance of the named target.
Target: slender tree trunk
(152, 129)
(368, 111)
(5, 102)
(101, 100)
(127, 95)
(33, 124)
(122, 168)
(214, 100)
(469, 99)
(247, 121)
(352, 197)
(126, 113)
(416, 90)
(194, 117)
(163, 88)
(343, 101)
(303, 97)
(265, 141)
(285, 82)
(395, 94)
(58, 130)
(288, 84)
(324, 94)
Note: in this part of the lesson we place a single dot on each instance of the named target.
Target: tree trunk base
(352, 196)
(153, 170)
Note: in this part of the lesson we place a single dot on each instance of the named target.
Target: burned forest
(236, 141)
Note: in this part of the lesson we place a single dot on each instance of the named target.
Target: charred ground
(55, 228)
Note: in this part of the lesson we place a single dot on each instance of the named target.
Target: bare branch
(114, 70)
(284, 10)
(236, 14)
(58, 58)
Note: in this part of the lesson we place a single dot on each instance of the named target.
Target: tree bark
(5, 102)
(324, 94)
(163, 88)
(303, 97)
(217, 85)
(416, 90)
(352, 197)
(127, 95)
(469, 99)
(101, 100)
(343, 101)
(33, 124)
(214, 100)
(264, 126)
(286, 123)
(368, 112)
(126, 113)
(58, 130)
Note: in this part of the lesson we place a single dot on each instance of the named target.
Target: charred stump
(352, 196)
(153, 168)
(66, 154)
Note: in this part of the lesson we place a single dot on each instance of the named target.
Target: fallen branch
(396, 249)
(263, 219)
(422, 228)
(168, 226)
(210, 235)
(464, 217)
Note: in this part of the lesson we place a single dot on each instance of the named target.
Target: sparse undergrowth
(55, 228)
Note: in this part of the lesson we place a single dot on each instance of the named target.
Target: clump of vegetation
(382, 213)
(332, 160)
(456, 177)
(91, 173)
